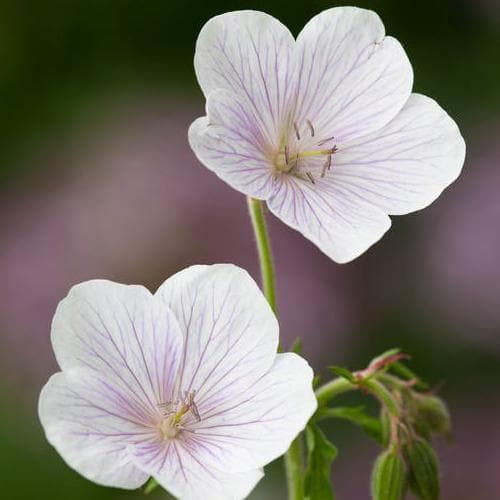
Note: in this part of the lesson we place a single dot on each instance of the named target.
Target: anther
(310, 177)
(296, 130)
(327, 165)
(192, 405)
(310, 125)
(326, 140)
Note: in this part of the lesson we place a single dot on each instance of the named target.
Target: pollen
(298, 154)
(169, 428)
(176, 414)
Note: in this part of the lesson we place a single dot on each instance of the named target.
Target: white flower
(184, 385)
(324, 128)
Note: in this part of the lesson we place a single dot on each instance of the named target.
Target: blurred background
(97, 180)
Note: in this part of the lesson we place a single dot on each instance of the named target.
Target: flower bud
(388, 476)
(424, 469)
(431, 415)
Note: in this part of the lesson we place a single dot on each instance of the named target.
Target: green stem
(294, 466)
(256, 209)
(383, 395)
(333, 388)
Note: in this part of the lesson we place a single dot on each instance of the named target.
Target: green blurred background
(97, 180)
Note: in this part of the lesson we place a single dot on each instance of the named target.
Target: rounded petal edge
(103, 464)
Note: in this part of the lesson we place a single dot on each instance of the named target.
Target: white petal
(230, 143)
(258, 424)
(91, 428)
(121, 333)
(406, 165)
(178, 469)
(230, 332)
(342, 224)
(352, 80)
(250, 55)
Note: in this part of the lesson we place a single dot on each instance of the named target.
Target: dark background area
(97, 180)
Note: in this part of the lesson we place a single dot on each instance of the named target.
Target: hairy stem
(294, 466)
(256, 209)
(333, 388)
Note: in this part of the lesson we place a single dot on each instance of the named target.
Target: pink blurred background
(98, 180)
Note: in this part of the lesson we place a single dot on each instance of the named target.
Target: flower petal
(342, 224)
(405, 166)
(230, 332)
(352, 80)
(180, 471)
(122, 334)
(229, 142)
(258, 424)
(88, 423)
(249, 54)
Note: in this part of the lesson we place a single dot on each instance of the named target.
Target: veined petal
(352, 79)
(122, 334)
(230, 332)
(90, 424)
(250, 55)
(258, 424)
(180, 469)
(342, 224)
(230, 142)
(405, 166)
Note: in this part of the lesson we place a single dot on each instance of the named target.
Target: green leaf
(344, 373)
(403, 371)
(316, 381)
(355, 414)
(296, 346)
(385, 354)
(151, 485)
(424, 469)
(320, 455)
(388, 476)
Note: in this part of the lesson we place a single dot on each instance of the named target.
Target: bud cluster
(410, 416)
(408, 460)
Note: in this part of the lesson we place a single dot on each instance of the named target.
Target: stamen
(287, 158)
(195, 412)
(192, 405)
(310, 177)
(327, 165)
(296, 130)
(310, 127)
(320, 143)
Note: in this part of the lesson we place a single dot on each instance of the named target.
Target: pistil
(288, 161)
(173, 414)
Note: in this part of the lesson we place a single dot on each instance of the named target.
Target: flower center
(169, 428)
(304, 157)
(175, 414)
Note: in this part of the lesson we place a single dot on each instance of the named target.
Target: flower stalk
(256, 210)
(333, 388)
(294, 465)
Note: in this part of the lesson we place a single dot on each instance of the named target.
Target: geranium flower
(324, 128)
(184, 385)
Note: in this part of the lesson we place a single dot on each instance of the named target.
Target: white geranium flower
(324, 128)
(184, 385)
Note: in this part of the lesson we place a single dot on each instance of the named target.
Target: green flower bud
(423, 465)
(431, 415)
(388, 476)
